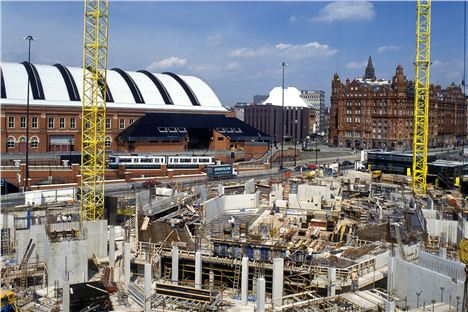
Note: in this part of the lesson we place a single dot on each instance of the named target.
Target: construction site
(316, 239)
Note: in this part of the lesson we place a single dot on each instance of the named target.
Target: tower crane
(421, 96)
(93, 112)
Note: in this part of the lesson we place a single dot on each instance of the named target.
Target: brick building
(376, 113)
(299, 120)
(55, 106)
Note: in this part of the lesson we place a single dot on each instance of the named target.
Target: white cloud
(248, 52)
(293, 18)
(388, 48)
(170, 62)
(213, 40)
(436, 63)
(353, 11)
(310, 49)
(356, 65)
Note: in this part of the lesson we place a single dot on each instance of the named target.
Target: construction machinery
(93, 159)
(421, 96)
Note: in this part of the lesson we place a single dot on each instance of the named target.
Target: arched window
(34, 142)
(11, 142)
(22, 139)
(108, 141)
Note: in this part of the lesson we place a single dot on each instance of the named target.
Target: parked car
(301, 168)
(312, 166)
(150, 183)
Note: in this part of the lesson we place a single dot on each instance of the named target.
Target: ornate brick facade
(371, 113)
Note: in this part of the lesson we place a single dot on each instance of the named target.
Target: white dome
(292, 97)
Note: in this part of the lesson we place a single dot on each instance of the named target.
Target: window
(237, 130)
(221, 130)
(182, 130)
(23, 122)
(172, 129)
(108, 123)
(162, 129)
(34, 122)
(122, 123)
(11, 142)
(73, 123)
(11, 122)
(130, 121)
(108, 141)
(22, 139)
(34, 142)
(220, 139)
(62, 122)
(50, 123)
(229, 130)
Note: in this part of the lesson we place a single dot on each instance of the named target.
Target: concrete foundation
(175, 265)
(198, 269)
(260, 294)
(278, 271)
(245, 281)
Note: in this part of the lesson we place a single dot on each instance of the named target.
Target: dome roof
(292, 97)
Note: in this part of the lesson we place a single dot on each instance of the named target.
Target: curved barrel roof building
(59, 85)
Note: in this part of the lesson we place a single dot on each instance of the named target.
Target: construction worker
(354, 280)
(232, 221)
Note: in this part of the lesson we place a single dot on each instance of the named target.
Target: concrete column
(175, 264)
(331, 281)
(127, 264)
(211, 279)
(260, 294)
(390, 306)
(112, 246)
(443, 252)
(245, 281)
(390, 273)
(66, 296)
(148, 282)
(278, 270)
(198, 269)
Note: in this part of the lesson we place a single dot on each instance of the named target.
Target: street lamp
(29, 38)
(283, 64)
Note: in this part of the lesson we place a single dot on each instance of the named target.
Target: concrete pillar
(198, 269)
(127, 264)
(390, 273)
(245, 281)
(390, 306)
(148, 282)
(443, 252)
(211, 279)
(175, 264)
(260, 294)
(66, 296)
(277, 291)
(331, 281)
(111, 246)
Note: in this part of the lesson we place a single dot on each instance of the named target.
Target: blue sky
(236, 47)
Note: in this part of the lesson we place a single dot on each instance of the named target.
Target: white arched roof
(56, 89)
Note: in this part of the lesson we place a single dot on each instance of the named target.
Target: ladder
(237, 273)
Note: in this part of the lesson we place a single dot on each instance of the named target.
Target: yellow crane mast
(93, 127)
(421, 96)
